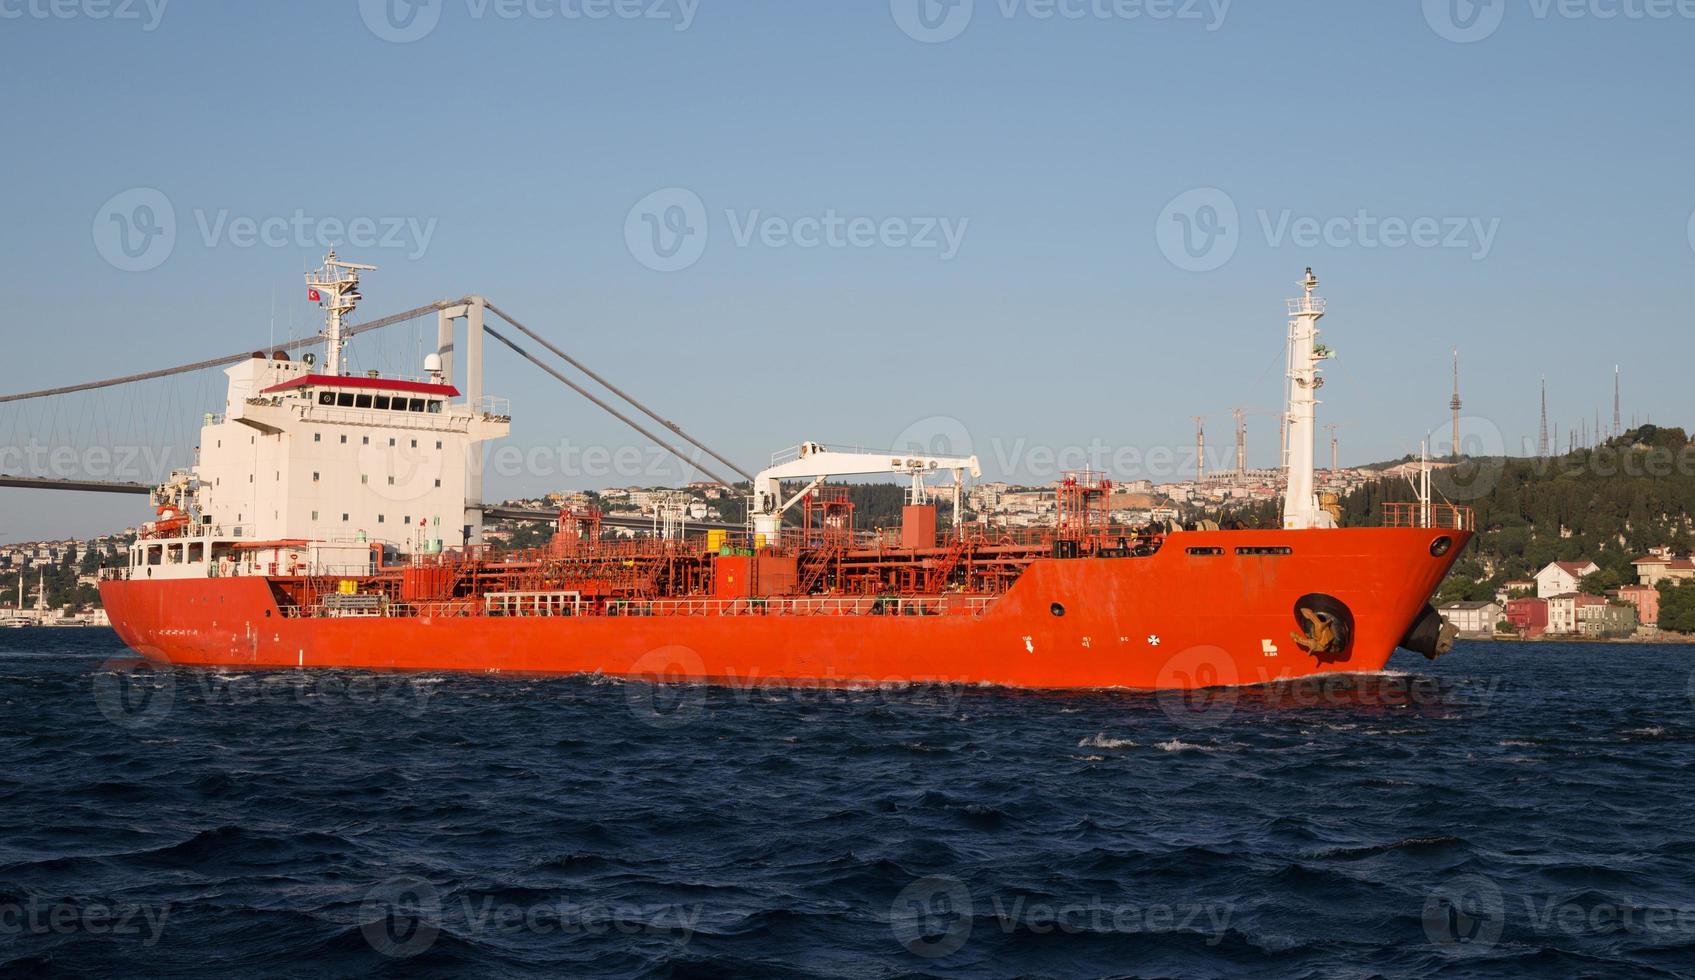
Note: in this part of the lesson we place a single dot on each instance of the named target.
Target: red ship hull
(1180, 618)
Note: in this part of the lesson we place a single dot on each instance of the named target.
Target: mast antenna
(1542, 440)
(1300, 499)
(336, 288)
(1454, 404)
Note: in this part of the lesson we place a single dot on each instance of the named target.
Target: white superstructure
(318, 473)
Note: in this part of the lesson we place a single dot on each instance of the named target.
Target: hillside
(1608, 504)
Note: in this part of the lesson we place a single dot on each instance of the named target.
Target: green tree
(1677, 607)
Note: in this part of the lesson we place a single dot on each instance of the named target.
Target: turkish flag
(312, 294)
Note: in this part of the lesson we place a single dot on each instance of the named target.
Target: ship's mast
(336, 286)
(1300, 501)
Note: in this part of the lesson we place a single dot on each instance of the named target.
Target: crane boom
(815, 463)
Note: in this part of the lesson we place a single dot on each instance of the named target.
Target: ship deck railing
(947, 605)
(1451, 517)
(789, 606)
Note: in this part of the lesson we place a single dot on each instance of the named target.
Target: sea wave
(558, 826)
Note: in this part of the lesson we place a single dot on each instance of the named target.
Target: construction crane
(1331, 428)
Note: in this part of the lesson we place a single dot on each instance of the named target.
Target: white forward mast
(1300, 498)
(336, 286)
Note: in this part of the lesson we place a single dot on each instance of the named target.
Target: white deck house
(324, 473)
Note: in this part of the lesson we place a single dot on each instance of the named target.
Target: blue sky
(1538, 175)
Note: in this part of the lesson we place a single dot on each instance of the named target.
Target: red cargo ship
(308, 535)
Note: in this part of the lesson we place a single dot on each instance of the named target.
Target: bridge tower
(471, 311)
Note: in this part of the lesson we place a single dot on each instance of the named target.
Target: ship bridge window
(435, 408)
(326, 398)
(344, 399)
(382, 402)
(1265, 551)
(416, 405)
(362, 401)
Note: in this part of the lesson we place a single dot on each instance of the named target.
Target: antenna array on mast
(336, 288)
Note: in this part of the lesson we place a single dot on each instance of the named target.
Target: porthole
(1440, 546)
(1057, 609)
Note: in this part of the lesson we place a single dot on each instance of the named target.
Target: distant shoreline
(1656, 638)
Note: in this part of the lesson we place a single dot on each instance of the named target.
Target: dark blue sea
(1516, 810)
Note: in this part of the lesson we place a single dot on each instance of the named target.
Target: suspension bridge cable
(579, 389)
(609, 386)
(351, 331)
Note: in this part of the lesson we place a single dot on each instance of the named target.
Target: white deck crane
(817, 463)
